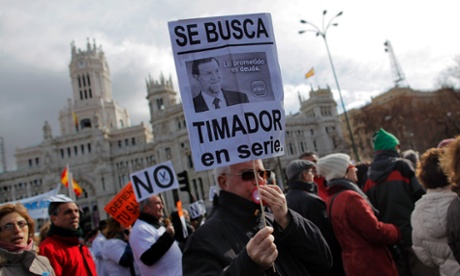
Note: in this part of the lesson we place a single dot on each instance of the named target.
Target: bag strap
(330, 205)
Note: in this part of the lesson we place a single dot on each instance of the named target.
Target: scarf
(150, 220)
(64, 232)
(11, 247)
(348, 185)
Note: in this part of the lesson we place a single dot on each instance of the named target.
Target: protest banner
(231, 88)
(37, 206)
(123, 207)
(154, 180)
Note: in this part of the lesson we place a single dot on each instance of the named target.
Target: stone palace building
(102, 148)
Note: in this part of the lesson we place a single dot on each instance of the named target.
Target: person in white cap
(64, 245)
(363, 238)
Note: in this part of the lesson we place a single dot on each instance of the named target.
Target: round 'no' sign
(163, 176)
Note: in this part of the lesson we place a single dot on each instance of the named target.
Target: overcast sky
(35, 39)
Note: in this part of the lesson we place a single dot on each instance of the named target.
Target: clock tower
(92, 105)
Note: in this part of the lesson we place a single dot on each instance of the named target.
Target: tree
(419, 121)
(450, 77)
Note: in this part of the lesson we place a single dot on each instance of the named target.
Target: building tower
(396, 70)
(93, 105)
(168, 122)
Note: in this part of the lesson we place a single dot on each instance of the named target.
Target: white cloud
(36, 35)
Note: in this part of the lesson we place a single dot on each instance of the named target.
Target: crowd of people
(394, 215)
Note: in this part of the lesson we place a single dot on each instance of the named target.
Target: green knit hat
(384, 140)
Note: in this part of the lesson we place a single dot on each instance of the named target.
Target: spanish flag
(75, 119)
(310, 73)
(65, 181)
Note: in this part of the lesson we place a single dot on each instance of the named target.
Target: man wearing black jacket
(235, 241)
(302, 197)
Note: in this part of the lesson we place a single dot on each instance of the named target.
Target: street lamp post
(322, 32)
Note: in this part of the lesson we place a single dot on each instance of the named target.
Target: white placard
(154, 180)
(233, 59)
(197, 209)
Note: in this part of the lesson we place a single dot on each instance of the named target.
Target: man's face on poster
(210, 77)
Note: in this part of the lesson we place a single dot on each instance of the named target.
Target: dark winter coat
(453, 227)
(364, 239)
(393, 189)
(218, 247)
(302, 199)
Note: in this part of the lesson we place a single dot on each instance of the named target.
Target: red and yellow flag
(65, 181)
(310, 73)
(75, 119)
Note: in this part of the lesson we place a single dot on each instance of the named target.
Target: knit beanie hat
(333, 165)
(297, 166)
(445, 142)
(384, 140)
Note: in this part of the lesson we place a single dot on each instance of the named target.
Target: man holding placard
(154, 248)
(235, 240)
(239, 238)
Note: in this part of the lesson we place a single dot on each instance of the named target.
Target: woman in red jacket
(363, 238)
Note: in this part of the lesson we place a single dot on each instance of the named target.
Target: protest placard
(123, 207)
(197, 209)
(231, 88)
(154, 180)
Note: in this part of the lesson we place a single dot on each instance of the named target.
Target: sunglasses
(10, 226)
(249, 174)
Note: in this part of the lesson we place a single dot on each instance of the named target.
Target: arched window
(85, 123)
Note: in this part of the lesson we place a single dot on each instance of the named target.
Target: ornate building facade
(102, 148)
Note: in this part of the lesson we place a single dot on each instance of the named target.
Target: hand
(274, 198)
(170, 229)
(262, 249)
(126, 233)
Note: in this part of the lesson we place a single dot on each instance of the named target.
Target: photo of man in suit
(211, 96)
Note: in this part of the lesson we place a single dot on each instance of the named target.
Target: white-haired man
(154, 248)
(234, 240)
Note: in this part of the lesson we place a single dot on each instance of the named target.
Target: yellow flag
(75, 119)
(310, 73)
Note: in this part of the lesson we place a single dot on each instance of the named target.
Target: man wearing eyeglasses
(64, 245)
(318, 179)
(235, 241)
